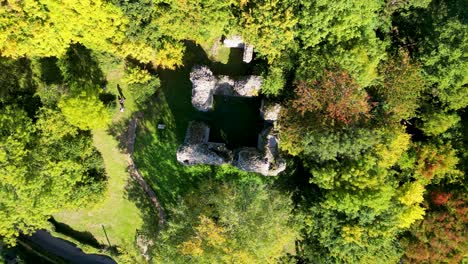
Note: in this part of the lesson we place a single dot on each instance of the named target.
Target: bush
(274, 82)
(85, 112)
(136, 75)
(142, 91)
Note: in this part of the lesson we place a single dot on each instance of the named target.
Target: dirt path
(130, 140)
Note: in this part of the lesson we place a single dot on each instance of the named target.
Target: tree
(85, 111)
(401, 87)
(335, 97)
(436, 162)
(227, 223)
(201, 21)
(350, 226)
(268, 25)
(342, 33)
(435, 123)
(441, 236)
(98, 25)
(274, 81)
(141, 83)
(438, 39)
(44, 167)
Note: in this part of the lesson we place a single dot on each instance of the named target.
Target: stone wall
(205, 85)
(197, 149)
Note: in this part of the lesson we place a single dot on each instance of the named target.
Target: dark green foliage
(143, 91)
(80, 69)
(45, 166)
(323, 145)
(274, 82)
(438, 38)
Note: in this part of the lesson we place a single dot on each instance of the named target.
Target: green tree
(274, 81)
(141, 83)
(85, 111)
(401, 88)
(201, 20)
(229, 223)
(342, 33)
(44, 167)
(438, 38)
(436, 123)
(268, 25)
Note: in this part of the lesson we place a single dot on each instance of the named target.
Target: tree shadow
(17, 85)
(83, 237)
(155, 152)
(49, 71)
(135, 194)
(80, 68)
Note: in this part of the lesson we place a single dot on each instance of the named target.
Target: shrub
(274, 82)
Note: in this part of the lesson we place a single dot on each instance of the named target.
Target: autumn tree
(229, 223)
(401, 88)
(98, 25)
(336, 97)
(441, 236)
(268, 25)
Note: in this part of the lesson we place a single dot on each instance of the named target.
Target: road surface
(65, 249)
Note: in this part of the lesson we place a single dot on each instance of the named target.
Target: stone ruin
(197, 149)
(205, 85)
(237, 42)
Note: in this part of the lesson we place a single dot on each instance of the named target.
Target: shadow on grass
(135, 194)
(155, 153)
(82, 237)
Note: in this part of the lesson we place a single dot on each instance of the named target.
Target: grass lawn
(216, 51)
(124, 209)
(117, 213)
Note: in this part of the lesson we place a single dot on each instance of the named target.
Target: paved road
(66, 250)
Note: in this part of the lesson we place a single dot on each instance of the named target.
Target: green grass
(124, 208)
(117, 213)
(216, 51)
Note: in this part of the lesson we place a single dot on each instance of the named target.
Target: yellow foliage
(136, 50)
(207, 234)
(390, 152)
(137, 75)
(170, 56)
(210, 232)
(410, 215)
(48, 27)
(352, 234)
(412, 193)
(192, 247)
(243, 2)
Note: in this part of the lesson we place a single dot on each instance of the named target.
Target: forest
(95, 101)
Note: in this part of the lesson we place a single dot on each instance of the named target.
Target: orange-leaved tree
(336, 97)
